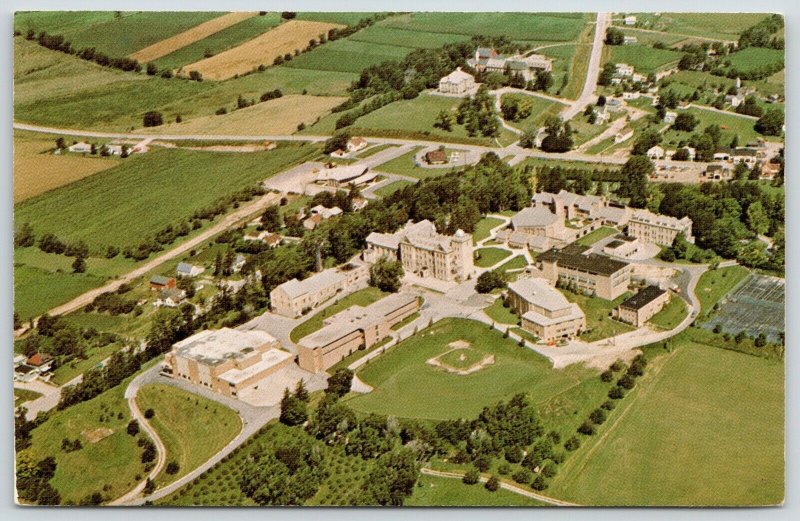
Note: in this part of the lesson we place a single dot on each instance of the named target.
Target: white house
(339, 154)
(457, 82)
(185, 269)
(655, 152)
(238, 263)
(623, 69)
(114, 150)
(623, 135)
(734, 100)
(631, 95)
(355, 144)
(630, 20)
(80, 148)
(614, 104)
(670, 118)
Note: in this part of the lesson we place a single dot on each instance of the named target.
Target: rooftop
(643, 298)
(294, 288)
(592, 263)
(655, 219)
(540, 293)
(214, 346)
(269, 359)
(534, 216)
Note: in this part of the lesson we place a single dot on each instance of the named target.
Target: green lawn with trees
(362, 297)
(715, 284)
(486, 257)
(191, 427)
(404, 384)
(484, 228)
(434, 491)
(727, 406)
(501, 314)
(599, 323)
(597, 235)
(670, 315)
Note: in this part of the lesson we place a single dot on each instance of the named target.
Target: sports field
(192, 428)
(726, 406)
(262, 50)
(348, 56)
(643, 58)
(277, 116)
(406, 386)
(117, 207)
(37, 170)
(755, 306)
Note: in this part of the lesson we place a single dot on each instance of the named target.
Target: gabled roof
(159, 280)
(184, 267)
(643, 298)
(534, 216)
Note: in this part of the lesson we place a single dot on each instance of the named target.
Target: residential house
(718, 172)
(159, 282)
(623, 69)
(227, 361)
(356, 144)
(339, 154)
(185, 269)
(353, 329)
(80, 148)
(748, 156)
(270, 239)
(769, 170)
(670, 117)
(629, 95)
(629, 40)
(42, 362)
(320, 213)
(723, 154)
(436, 157)
(641, 307)
(623, 135)
(630, 20)
(614, 105)
(545, 312)
(457, 82)
(659, 229)
(296, 297)
(169, 298)
(655, 152)
(734, 100)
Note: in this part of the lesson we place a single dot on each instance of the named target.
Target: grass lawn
(729, 124)
(540, 110)
(404, 165)
(753, 58)
(24, 395)
(516, 263)
(391, 188)
(524, 333)
(484, 227)
(373, 150)
(116, 207)
(404, 384)
(597, 235)
(432, 491)
(220, 485)
(485, 257)
(363, 297)
(501, 314)
(110, 466)
(643, 58)
(670, 315)
(192, 428)
(714, 284)
(406, 321)
(599, 323)
(78, 366)
(726, 406)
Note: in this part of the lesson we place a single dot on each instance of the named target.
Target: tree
(598, 416)
(614, 36)
(573, 443)
(544, 80)
(750, 107)
(444, 121)
(149, 487)
(79, 265)
(685, 121)
(173, 467)
(337, 142)
(606, 74)
(539, 483)
(271, 218)
(646, 140)
(386, 275)
(771, 123)
(149, 413)
(152, 70)
(493, 484)
(607, 376)
(582, 182)
(488, 281)
(24, 237)
(339, 382)
(153, 119)
(634, 179)
(682, 154)
(293, 410)
(133, 427)
(757, 219)
(300, 391)
(471, 477)
(761, 340)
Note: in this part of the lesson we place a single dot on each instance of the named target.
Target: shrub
(483, 462)
(539, 483)
(587, 428)
(492, 484)
(598, 416)
(523, 476)
(616, 393)
(149, 413)
(504, 469)
(607, 376)
(572, 444)
(627, 382)
(471, 477)
(608, 405)
(514, 454)
(173, 467)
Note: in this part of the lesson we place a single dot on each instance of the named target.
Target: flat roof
(593, 263)
(643, 298)
(540, 293)
(575, 313)
(294, 288)
(269, 359)
(212, 347)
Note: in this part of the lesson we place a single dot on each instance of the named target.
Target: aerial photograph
(403, 259)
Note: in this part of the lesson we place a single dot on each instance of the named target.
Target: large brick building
(296, 297)
(588, 273)
(641, 307)
(659, 229)
(544, 310)
(226, 360)
(354, 328)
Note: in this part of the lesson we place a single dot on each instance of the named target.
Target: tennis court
(755, 306)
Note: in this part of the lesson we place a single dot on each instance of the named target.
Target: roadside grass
(404, 38)
(724, 405)
(599, 324)
(362, 297)
(374, 149)
(501, 314)
(116, 207)
(391, 188)
(714, 284)
(648, 38)
(524, 333)
(407, 387)
(434, 491)
(517, 26)
(597, 235)
(485, 257)
(579, 66)
(24, 395)
(219, 41)
(406, 321)
(115, 35)
(670, 315)
(110, 466)
(348, 55)
(219, 486)
(192, 428)
(644, 59)
(484, 228)
(405, 165)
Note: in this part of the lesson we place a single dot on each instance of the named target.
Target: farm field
(405, 38)
(36, 170)
(219, 41)
(644, 59)
(123, 198)
(110, 464)
(261, 50)
(190, 36)
(363, 297)
(693, 405)
(278, 116)
(754, 58)
(37, 290)
(103, 31)
(649, 38)
(334, 17)
(192, 428)
(447, 492)
(348, 56)
(517, 26)
(721, 26)
(404, 383)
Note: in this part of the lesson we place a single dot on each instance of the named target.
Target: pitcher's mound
(461, 359)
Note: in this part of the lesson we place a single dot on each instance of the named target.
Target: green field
(501, 314)
(516, 263)
(730, 124)
(557, 27)
(404, 38)
(486, 257)
(345, 18)
(540, 110)
(671, 315)
(461, 358)
(714, 284)
(23, 395)
(597, 235)
(192, 428)
(406, 386)
(363, 297)
(447, 492)
(644, 59)
(599, 323)
(78, 366)
(118, 206)
(484, 228)
(722, 26)
(348, 56)
(116, 35)
(754, 57)
(726, 406)
(110, 466)
(391, 188)
(223, 40)
(37, 290)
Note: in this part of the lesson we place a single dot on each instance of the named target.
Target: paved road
(587, 95)
(504, 485)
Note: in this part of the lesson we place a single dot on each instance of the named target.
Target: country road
(593, 72)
